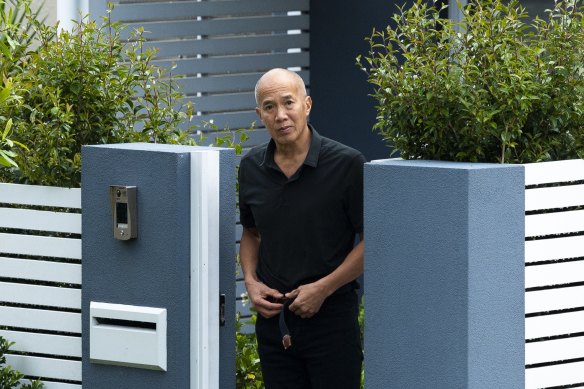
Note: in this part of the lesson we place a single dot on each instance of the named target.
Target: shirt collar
(311, 157)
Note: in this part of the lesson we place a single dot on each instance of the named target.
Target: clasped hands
(306, 299)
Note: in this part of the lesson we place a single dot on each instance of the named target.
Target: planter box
(444, 272)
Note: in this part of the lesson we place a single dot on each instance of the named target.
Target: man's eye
(289, 102)
(268, 107)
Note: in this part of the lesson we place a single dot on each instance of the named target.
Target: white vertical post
(205, 270)
(70, 10)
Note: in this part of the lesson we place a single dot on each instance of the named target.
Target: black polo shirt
(307, 223)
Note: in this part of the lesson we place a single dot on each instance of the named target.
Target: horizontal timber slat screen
(219, 49)
(40, 282)
(554, 274)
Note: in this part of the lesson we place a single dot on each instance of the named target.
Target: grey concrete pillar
(444, 269)
(151, 305)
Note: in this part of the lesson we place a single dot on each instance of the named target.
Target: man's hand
(263, 299)
(307, 299)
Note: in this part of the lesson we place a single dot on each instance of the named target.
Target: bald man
(301, 206)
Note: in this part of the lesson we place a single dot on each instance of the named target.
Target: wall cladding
(220, 49)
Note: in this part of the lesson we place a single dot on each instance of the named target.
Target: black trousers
(326, 349)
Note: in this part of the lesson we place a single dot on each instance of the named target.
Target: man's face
(283, 108)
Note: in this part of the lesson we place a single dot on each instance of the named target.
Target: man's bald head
(279, 74)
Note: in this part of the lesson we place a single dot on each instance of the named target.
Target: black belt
(284, 331)
(286, 337)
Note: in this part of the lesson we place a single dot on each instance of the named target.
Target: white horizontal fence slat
(552, 325)
(550, 249)
(40, 319)
(554, 299)
(556, 171)
(554, 274)
(29, 219)
(49, 296)
(46, 367)
(554, 350)
(28, 342)
(57, 385)
(555, 376)
(25, 269)
(554, 223)
(40, 195)
(554, 197)
(40, 246)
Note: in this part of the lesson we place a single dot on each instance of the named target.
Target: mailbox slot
(128, 335)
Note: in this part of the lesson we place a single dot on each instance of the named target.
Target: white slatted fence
(554, 274)
(40, 282)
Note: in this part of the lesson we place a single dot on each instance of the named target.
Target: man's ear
(259, 113)
(308, 102)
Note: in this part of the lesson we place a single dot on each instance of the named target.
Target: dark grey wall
(444, 275)
(154, 269)
(342, 109)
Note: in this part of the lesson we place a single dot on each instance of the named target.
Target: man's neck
(296, 149)
(289, 157)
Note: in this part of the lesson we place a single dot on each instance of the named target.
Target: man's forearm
(260, 295)
(249, 247)
(349, 270)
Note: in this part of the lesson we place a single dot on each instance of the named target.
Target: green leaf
(4, 94)
(5, 50)
(5, 159)
(7, 129)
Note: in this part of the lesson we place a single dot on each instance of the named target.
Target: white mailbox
(128, 335)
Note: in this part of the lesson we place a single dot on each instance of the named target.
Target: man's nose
(280, 112)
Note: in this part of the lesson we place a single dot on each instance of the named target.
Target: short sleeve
(354, 193)
(245, 214)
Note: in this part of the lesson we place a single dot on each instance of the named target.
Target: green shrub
(10, 378)
(7, 145)
(247, 361)
(89, 86)
(16, 34)
(492, 88)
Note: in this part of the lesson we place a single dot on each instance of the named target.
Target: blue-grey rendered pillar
(444, 269)
(158, 269)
